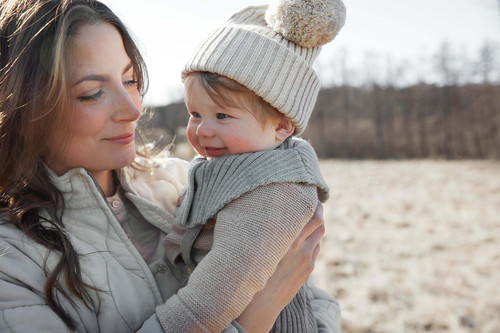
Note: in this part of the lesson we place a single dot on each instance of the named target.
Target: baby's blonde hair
(227, 92)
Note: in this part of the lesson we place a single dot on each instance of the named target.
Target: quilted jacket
(129, 292)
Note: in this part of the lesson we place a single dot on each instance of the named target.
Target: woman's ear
(284, 129)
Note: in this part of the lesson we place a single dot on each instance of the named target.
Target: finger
(319, 209)
(314, 223)
(315, 237)
(316, 252)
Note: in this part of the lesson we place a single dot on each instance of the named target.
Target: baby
(250, 90)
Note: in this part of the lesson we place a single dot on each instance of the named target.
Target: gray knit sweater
(262, 201)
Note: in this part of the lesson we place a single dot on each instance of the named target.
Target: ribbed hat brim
(278, 71)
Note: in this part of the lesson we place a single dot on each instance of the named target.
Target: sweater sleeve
(297, 316)
(325, 308)
(251, 236)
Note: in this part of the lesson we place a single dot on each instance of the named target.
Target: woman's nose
(128, 106)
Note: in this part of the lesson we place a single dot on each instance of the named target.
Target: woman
(82, 218)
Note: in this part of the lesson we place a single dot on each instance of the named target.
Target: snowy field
(413, 246)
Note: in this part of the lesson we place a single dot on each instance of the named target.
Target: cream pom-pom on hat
(270, 49)
(306, 23)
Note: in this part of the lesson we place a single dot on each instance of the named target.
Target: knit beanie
(270, 50)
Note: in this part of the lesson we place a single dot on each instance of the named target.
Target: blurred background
(407, 126)
(403, 79)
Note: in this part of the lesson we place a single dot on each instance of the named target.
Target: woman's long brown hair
(33, 99)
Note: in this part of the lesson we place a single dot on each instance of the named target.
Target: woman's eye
(91, 98)
(222, 116)
(131, 83)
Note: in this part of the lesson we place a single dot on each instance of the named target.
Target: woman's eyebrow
(129, 66)
(92, 77)
(100, 77)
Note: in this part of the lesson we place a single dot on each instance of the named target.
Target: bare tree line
(422, 121)
(455, 118)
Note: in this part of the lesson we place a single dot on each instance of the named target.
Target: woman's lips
(123, 139)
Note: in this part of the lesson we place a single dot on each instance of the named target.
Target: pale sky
(168, 32)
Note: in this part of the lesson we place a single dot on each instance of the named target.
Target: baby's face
(215, 131)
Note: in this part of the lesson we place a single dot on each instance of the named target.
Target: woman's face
(104, 104)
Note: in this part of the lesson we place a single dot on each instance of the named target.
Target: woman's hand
(292, 272)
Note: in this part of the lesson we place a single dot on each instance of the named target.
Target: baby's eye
(222, 116)
(195, 114)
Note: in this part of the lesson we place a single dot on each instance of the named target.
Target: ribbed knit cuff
(297, 316)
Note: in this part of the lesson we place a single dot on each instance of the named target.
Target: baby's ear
(284, 129)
